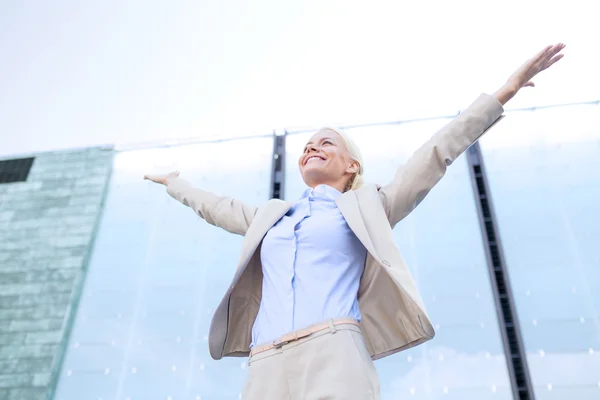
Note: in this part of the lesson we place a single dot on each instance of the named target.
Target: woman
(321, 289)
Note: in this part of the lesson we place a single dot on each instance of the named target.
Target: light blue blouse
(312, 264)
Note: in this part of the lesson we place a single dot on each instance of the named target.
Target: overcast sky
(79, 73)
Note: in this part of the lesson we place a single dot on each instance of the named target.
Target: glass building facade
(543, 169)
(157, 271)
(156, 274)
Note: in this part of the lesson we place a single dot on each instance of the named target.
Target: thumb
(529, 84)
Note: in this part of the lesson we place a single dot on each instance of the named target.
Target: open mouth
(312, 159)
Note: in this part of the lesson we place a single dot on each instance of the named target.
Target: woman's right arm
(225, 212)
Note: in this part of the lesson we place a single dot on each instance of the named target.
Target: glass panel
(441, 242)
(156, 274)
(543, 172)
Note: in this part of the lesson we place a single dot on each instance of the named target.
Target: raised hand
(162, 179)
(523, 76)
(541, 61)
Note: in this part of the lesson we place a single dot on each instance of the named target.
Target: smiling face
(326, 160)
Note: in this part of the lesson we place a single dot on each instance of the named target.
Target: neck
(339, 186)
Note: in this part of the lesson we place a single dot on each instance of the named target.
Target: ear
(353, 167)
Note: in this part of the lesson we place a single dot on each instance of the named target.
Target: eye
(327, 142)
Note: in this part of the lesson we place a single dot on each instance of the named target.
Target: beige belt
(299, 334)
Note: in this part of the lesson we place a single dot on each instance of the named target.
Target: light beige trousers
(330, 364)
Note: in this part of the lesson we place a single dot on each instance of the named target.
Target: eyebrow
(325, 138)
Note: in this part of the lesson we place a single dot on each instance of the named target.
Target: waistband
(302, 333)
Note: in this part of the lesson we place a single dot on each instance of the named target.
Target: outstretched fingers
(551, 52)
(553, 60)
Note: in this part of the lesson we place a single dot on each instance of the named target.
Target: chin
(311, 175)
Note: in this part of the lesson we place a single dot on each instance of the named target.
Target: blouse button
(384, 262)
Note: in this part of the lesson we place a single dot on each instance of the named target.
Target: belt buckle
(279, 343)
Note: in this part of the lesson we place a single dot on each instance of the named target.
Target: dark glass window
(15, 170)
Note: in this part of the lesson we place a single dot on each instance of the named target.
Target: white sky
(77, 73)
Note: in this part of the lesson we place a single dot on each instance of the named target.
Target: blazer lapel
(348, 206)
(259, 228)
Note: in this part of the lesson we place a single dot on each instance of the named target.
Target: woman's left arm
(428, 164)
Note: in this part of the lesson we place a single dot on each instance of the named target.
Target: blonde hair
(357, 180)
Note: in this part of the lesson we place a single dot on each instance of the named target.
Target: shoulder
(372, 195)
(273, 204)
(368, 187)
(368, 192)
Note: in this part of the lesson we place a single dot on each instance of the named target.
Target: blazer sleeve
(427, 165)
(224, 212)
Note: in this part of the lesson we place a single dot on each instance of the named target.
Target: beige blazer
(393, 313)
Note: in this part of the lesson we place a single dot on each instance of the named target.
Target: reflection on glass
(156, 274)
(157, 271)
(543, 172)
(441, 241)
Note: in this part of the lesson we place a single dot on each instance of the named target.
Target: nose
(311, 147)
